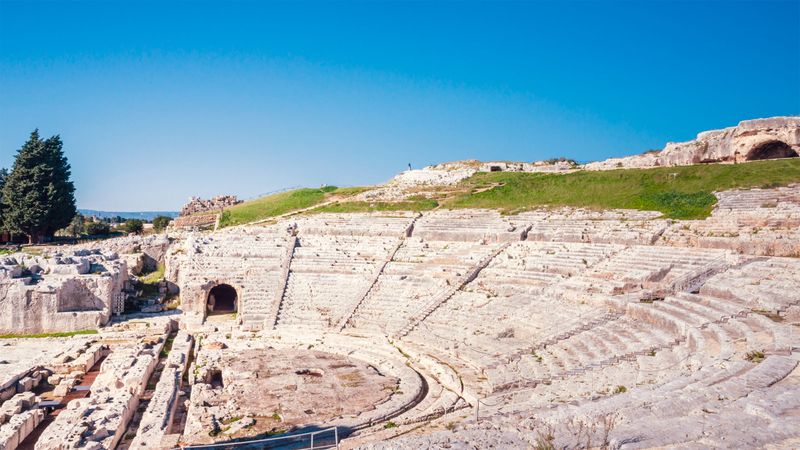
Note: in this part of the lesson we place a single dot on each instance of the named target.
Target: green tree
(76, 226)
(161, 222)
(134, 226)
(38, 195)
(3, 176)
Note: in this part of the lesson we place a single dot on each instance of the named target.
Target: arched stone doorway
(222, 299)
(771, 150)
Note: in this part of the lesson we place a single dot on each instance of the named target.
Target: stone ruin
(562, 327)
(198, 205)
(75, 291)
(200, 213)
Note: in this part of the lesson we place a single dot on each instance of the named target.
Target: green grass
(155, 276)
(412, 204)
(148, 283)
(677, 192)
(47, 335)
(282, 203)
(6, 251)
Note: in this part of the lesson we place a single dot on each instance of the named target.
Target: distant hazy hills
(143, 215)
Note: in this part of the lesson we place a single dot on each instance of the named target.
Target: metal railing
(315, 440)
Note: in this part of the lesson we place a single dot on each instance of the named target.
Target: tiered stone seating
(756, 222)
(541, 309)
(530, 266)
(761, 284)
(252, 262)
(603, 345)
(710, 408)
(470, 226)
(749, 199)
(650, 266)
(503, 312)
(419, 274)
(617, 226)
(329, 274)
(376, 224)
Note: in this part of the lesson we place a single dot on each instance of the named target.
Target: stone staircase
(274, 313)
(447, 294)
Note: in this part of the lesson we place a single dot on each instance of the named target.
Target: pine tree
(38, 195)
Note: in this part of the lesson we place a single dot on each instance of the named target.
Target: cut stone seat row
(99, 420)
(15, 428)
(156, 421)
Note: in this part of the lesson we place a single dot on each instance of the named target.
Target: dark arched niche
(222, 299)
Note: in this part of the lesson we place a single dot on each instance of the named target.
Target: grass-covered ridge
(412, 204)
(678, 192)
(282, 203)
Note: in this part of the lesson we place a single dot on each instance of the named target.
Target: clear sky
(159, 101)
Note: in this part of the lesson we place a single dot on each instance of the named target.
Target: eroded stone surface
(276, 390)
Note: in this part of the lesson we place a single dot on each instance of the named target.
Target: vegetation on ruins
(49, 335)
(38, 195)
(755, 356)
(684, 192)
(282, 203)
(148, 283)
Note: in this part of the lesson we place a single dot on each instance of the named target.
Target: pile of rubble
(198, 205)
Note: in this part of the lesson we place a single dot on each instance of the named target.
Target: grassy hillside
(678, 192)
(412, 204)
(282, 203)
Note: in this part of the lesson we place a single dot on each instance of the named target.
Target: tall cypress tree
(3, 176)
(38, 195)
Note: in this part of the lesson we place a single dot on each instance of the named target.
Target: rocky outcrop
(775, 137)
(59, 293)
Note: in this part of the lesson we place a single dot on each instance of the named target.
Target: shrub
(97, 228)
(754, 356)
(133, 226)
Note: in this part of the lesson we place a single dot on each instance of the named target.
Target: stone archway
(222, 299)
(771, 150)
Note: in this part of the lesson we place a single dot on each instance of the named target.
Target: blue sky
(159, 101)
